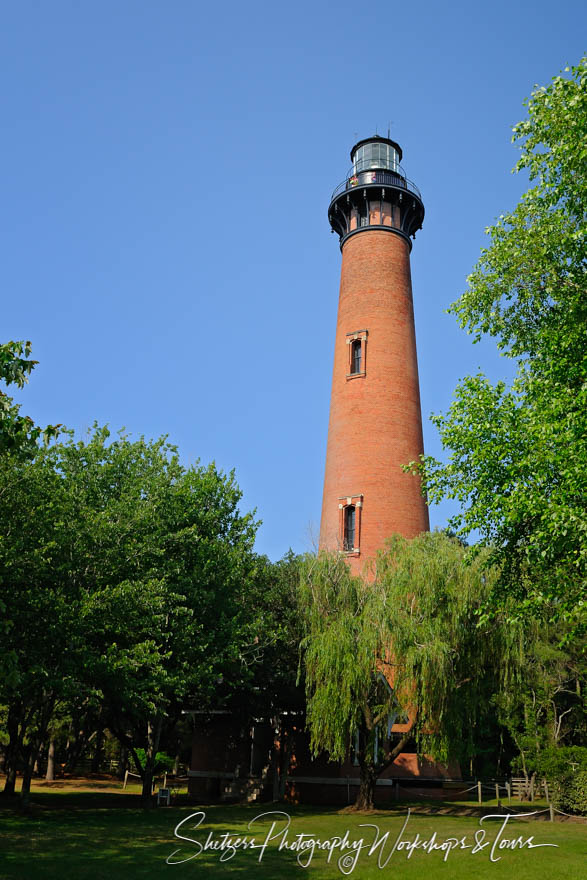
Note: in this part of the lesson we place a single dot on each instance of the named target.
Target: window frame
(351, 338)
(356, 502)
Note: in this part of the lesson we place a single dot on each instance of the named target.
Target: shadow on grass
(78, 836)
(98, 843)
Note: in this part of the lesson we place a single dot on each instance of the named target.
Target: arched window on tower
(349, 527)
(356, 355)
(356, 359)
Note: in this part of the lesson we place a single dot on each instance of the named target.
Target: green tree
(18, 433)
(123, 588)
(267, 685)
(276, 631)
(518, 455)
(402, 645)
(37, 617)
(544, 713)
(171, 556)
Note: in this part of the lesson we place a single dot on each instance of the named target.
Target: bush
(560, 762)
(569, 793)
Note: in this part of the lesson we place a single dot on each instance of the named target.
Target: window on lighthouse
(349, 527)
(356, 356)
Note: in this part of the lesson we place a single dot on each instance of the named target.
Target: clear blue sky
(167, 168)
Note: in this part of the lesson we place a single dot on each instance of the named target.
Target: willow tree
(402, 644)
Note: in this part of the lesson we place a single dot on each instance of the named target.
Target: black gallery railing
(375, 176)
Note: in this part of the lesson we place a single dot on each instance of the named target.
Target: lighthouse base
(270, 760)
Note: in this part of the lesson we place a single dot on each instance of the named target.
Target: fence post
(479, 796)
(551, 808)
(509, 791)
(125, 779)
(497, 793)
(532, 789)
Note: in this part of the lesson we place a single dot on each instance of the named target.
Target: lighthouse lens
(376, 155)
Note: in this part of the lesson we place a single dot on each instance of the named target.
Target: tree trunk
(10, 784)
(370, 770)
(25, 791)
(97, 756)
(122, 761)
(153, 736)
(147, 792)
(74, 749)
(50, 774)
(27, 773)
(12, 750)
(31, 752)
(367, 787)
(276, 747)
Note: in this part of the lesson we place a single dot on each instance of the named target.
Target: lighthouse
(375, 424)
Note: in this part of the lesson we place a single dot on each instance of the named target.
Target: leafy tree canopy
(122, 583)
(518, 461)
(267, 681)
(18, 433)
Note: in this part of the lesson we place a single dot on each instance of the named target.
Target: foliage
(276, 631)
(544, 713)
(161, 762)
(18, 433)
(558, 762)
(570, 793)
(36, 664)
(114, 562)
(518, 463)
(402, 644)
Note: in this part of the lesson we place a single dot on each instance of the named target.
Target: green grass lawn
(89, 835)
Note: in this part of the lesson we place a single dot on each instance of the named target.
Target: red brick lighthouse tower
(375, 420)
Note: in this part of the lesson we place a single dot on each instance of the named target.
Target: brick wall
(375, 420)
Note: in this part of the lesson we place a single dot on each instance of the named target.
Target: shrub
(557, 763)
(569, 792)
